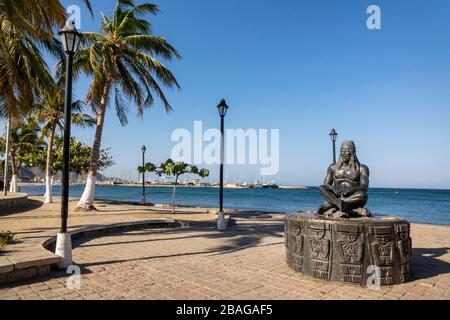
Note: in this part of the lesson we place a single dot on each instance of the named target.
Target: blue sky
(302, 67)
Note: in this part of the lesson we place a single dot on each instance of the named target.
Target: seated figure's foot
(343, 206)
(324, 208)
(341, 214)
(361, 212)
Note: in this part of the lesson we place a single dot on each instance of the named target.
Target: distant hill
(37, 174)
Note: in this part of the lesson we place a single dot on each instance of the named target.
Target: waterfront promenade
(245, 262)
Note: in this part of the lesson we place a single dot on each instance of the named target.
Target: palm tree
(35, 17)
(51, 114)
(25, 28)
(24, 141)
(22, 68)
(122, 58)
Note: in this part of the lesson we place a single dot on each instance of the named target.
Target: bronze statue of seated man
(346, 185)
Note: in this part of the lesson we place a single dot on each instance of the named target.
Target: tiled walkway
(245, 262)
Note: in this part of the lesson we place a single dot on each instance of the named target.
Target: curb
(15, 201)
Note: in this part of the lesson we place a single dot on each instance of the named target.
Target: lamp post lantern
(70, 39)
(333, 136)
(143, 149)
(223, 108)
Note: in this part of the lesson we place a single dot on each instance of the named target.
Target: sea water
(416, 205)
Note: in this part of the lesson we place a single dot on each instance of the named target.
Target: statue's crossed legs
(341, 203)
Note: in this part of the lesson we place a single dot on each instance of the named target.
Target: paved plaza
(245, 262)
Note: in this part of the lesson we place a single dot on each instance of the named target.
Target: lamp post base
(221, 222)
(64, 250)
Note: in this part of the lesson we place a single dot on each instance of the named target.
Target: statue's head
(348, 155)
(347, 150)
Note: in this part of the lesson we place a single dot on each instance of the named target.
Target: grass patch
(6, 237)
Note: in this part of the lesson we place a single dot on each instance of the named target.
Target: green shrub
(6, 237)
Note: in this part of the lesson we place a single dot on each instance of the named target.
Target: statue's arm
(329, 178)
(363, 179)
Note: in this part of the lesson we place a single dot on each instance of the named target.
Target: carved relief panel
(349, 243)
(295, 238)
(404, 245)
(319, 237)
(382, 244)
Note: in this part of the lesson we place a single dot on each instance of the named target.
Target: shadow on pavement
(237, 238)
(426, 263)
(30, 205)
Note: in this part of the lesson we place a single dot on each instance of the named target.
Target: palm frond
(125, 55)
(121, 108)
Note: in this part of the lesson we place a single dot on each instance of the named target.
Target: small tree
(50, 113)
(79, 159)
(149, 167)
(80, 154)
(176, 169)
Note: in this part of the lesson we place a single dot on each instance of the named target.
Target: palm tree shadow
(426, 262)
(243, 237)
(237, 238)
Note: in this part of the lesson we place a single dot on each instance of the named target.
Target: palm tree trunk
(87, 199)
(48, 168)
(13, 183)
(7, 147)
(173, 194)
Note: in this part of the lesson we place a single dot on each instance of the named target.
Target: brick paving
(245, 262)
(33, 222)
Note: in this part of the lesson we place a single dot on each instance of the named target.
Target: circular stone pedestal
(358, 251)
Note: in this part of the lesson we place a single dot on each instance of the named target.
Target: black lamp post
(223, 107)
(70, 39)
(333, 136)
(143, 149)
